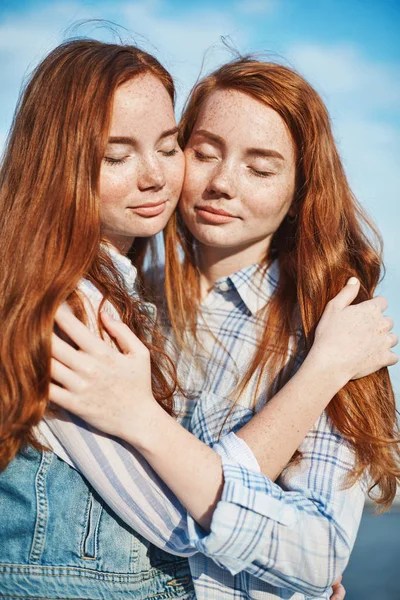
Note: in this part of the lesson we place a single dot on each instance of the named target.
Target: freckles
(114, 188)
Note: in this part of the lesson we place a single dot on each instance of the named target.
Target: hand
(338, 590)
(354, 340)
(109, 389)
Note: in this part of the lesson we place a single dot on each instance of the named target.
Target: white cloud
(341, 70)
(183, 42)
(24, 39)
(179, 41)
(362, 96)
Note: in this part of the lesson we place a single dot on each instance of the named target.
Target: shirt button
(223, 286)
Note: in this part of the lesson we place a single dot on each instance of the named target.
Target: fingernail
(352, 281)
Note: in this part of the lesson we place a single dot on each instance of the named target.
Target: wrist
(141, 432)
(331, 375)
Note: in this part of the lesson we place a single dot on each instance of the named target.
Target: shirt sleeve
(126, 482)
(119, 473)
(296, 533)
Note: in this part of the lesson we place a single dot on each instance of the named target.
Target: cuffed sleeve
(297, 533)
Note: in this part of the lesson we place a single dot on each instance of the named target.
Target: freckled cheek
(175, 181)
(194, 185)
(114, 188)
(274, 203)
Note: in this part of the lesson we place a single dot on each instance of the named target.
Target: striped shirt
(288, 539)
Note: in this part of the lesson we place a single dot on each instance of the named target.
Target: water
(374, 569)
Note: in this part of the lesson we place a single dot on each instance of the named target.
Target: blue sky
(348, 50)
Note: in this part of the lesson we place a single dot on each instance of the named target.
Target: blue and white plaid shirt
(288, 539)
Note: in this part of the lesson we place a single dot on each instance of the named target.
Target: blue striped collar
(254, 284)
(125, 267)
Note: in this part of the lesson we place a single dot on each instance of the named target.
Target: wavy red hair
(317, 251)
(50, 223)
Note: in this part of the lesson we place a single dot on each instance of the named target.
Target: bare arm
(98, 385)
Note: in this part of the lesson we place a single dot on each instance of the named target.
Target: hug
(208, 429)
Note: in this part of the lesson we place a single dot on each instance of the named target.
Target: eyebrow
(130, 141)
(211, 136)
(263, 152)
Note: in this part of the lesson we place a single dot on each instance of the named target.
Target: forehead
(142, 98)
(233, 114)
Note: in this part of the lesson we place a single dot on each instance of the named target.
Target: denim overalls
(58, 540)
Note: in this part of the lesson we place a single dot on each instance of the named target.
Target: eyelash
(171, 152)
(263, 174)
(120, 161)
(201, 156)
(115, 161)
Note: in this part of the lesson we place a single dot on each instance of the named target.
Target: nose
(222, 181)
(151, 175)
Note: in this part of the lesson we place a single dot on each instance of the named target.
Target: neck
(121, 243)
(215, 263)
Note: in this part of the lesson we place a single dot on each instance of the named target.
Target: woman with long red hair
(91, 170)
(69, 212)
(267, 233)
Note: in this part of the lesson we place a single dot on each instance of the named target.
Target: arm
(98, 385)
(253, 511)
(297, 533)
(117, 471)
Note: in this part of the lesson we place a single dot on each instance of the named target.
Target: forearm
(298, 534)
(277, 430)
(193, 471)
(299, 539)
(190, 468)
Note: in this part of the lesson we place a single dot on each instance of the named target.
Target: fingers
(77, 331)
(339, 592)
(60, 396)
(393, 340)
(392, 360)
(127, 341)
(380, 301)
(64, 376)
(389, 323)
(346, 296)
(65, 354)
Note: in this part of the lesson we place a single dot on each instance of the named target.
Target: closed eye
(258, 173)
(170, 152)
(115, 161)
(201, 156)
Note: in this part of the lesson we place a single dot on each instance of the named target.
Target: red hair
(317, 252)
(50, 223)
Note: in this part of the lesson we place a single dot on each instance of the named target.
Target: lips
(216, 216)
(215, 211)
(149, 209)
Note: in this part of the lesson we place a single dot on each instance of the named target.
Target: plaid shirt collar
(254, 284)
(124, 266)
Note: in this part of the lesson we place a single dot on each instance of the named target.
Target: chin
(152, 226)
(212, 235)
